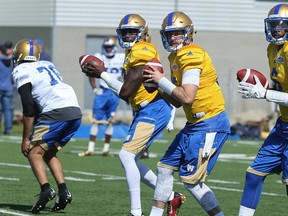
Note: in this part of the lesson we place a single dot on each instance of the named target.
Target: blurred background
(232, 32)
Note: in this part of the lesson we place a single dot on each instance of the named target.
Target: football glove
(170, 125)
(98, 91)
(249, 90)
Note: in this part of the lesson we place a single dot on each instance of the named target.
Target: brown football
(151, 86)
(85, 59)
(246, 75)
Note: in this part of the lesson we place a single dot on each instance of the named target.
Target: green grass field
(99, 188)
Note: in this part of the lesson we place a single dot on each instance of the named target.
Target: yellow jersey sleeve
(139, 55)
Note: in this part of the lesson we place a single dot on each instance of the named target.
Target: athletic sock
(106, 147)
(91, 146)
(156, 211)
(136, 212)
(244, 211)
(45, 187)
(62, 187)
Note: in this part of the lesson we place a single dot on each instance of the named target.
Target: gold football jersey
(209, 100)
(139, 54)
(278, 63)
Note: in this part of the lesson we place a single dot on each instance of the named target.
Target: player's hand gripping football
(249, 90)
(93, 70)
(152, 74)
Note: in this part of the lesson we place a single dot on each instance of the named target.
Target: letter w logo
(190, 168)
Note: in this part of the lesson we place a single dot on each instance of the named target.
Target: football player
(51, 116)
(151, 111)
(194, 86)
(105, 101)
(272, 157)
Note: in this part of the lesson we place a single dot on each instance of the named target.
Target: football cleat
(44, 197)
(133, 215)
(85, 153)
(175, 204)
(106, 153)
(61, 201)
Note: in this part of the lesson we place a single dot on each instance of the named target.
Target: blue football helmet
(177, 21)
(109, 47)
(135, 24)
(276, 25)
(26, 50)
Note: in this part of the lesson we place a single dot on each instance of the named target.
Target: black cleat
(130, 214)
(44, 197)
(61, 201)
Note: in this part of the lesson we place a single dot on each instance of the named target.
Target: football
(246, 75)
(85, 59)
(151, 86)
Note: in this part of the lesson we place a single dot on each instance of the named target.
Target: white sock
(136, 212)
(91, 146)
(244, 211)
(171, 196)
(106, 147)
(132, 177)
(156, 211)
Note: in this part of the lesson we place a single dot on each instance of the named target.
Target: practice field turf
(98, 184)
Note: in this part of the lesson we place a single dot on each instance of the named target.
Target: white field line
(113, 177)
(9, 179)
(12, 213)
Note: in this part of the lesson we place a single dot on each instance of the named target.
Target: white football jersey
(113, 66)
(48, 89)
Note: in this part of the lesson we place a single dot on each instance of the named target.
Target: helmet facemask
(276, 25)
(167, 42)
(126, 42)
(276, 29)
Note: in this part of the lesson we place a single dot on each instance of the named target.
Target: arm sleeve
(191, 76)
(280, 98)
(27, 100)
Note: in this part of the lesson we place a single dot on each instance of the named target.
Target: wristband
(105, 76)
(166, 85)
(114, 84)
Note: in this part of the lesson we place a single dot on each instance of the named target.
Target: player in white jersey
(105, 101)
(51, 116)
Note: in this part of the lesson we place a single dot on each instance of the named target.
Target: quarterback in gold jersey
(194, 86)
(272, 157)
(151, 111)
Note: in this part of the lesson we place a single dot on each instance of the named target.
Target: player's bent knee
(94, 129)
(203, 194)
(126, 157)
(109, 129)
(164, 184)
